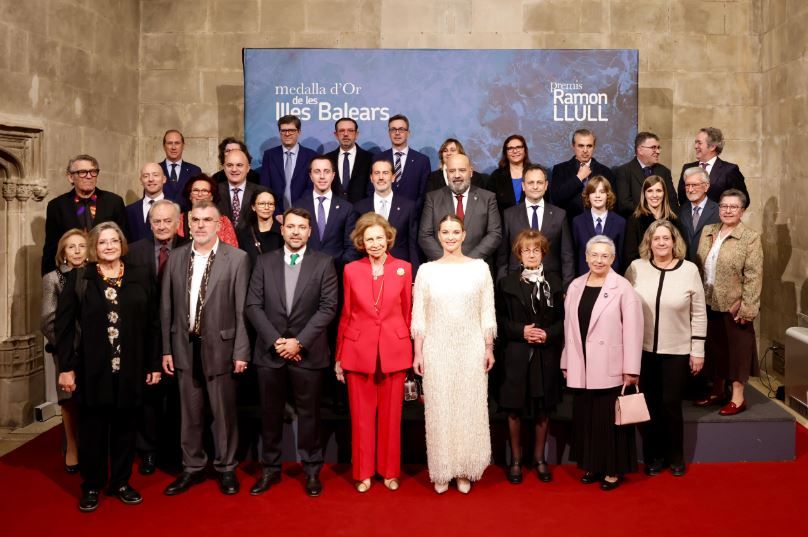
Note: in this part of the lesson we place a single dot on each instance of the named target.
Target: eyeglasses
(514, 148)
(84, 173)
(265, 204)
(534, 251)
(729, 208)
(652, 147)
(288, 131)
(109, 242)
(397, 130)
(200, 191)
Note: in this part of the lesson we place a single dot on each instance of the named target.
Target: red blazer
(365, 335)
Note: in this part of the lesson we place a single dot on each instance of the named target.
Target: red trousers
(375, 402)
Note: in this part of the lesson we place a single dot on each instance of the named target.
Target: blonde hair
(590, 188)
(61, 259)
(92, 241)
(367, 221)
(679, 247)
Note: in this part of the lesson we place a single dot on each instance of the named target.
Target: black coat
(519, 374)
(267, 241)
(91, 359)
(500, 183)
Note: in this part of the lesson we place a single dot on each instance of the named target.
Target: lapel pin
(337, 207)
(605, 295)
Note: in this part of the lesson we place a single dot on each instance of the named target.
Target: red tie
(459, 211)
(162, 258)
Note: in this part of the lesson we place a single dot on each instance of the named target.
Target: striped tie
(397, 167)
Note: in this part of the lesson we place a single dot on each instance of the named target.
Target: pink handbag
(630, 408)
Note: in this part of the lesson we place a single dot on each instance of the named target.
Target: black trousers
(158, 430)
(305, 386)
(663, 380)
(106, 446)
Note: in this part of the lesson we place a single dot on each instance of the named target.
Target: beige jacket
(738, 272)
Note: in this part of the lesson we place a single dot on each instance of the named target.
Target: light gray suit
(209, 369)
(482, 222)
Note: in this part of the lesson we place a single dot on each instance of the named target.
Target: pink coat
(614, 340)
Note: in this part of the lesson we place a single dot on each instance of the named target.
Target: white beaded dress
(453, 310)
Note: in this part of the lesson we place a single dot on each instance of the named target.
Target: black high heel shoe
(515, 472)
(543, 471)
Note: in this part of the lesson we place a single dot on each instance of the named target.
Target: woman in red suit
(374, 350)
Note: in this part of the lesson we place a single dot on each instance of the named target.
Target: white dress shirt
(147, 206)
(168, 168)
(382, 209)
(240, 194)
(602, 216)
(539, 212)
(351, 159)
(287, 255)
(403, 158)
(709, 166)
(326, 203)
(465, 199)
(200, 262)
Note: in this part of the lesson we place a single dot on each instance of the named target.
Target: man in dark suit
(351, 162)
(534, 212)
(176, 170)
(333, 217)
(235, 193)
(137, 213)
(160, 413)
(291, 301)
(631, 175)
(82, 207)
(698, 211)
(570, 177)
(476, 206)
(410, 168)
(284, 169)
(398, 210)
(204, 342)
(723, 175)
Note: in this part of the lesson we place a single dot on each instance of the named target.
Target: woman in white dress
(454, 325)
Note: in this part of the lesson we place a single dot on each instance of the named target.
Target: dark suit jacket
(273, 176)
(583, 229)
(566, 188)
(405, 222)
(224, 331)
(359, 182)
(412, 184)
(708, 216)
(336, 241)
(500, 183)
(554, 226)
(61, 216)
(723, 176)
(267, 241)
(141, 253)
(436, 180)
(630, 178)
(314, 306)
(138, 336)
(482, 222)
(173, 190)
(137, 227)
(226, 206)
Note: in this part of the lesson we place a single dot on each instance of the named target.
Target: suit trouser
(663, 380)
(106, 446)
(306, 387)
(219, 391)
(159, 422)
(376, 402)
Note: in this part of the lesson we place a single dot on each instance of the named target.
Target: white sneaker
(463, 485)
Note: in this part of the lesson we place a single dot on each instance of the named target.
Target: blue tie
(321, 216)
(534, 220)
(598, 227)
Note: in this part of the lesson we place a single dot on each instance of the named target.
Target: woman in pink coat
(603, 332)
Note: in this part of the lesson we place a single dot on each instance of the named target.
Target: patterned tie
(534, 219)
(599, 226)
(460, 214)
(288, 170)
(704, 165)
(321, 216)
(174, 177)
(346, 170)
(236, 205)
(383, 212)
(696, 211)
(293, 259)
(648, 171)
(397, 167)
(162, 259)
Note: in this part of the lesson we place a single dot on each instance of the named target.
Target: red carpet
(37, 499)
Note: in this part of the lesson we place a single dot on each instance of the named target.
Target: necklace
(377, 270)
(114, 280)
(378, 297)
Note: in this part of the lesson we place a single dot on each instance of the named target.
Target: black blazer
(139, 336)
(500, 183)
(723, 176)
(436, 180)
(559, 260)
(412, 184)
(172, 189)
(336, 241)
(630, 178)
(61, 216)
(267, 241)
(542, 372)
(314, 306)
(226, 207)
(359, 182)
(566, 188)
(583, 229)
(692, 237)
(141, 254)
(405, 221)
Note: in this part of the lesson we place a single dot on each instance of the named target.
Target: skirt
(598, 445)
(730, 348)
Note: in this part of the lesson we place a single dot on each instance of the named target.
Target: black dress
(530, 375)
(256, 242)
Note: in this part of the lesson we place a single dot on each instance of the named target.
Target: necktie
(288, 170)
(293, 259)
(151, 204)
(397, 167)
(85, 214)
(383, 204)
(321, 216)
(696, 211)
(346, 169)
(586, 179)
(236, 205)
(703, 165)
(174, 177)
(599, 226)
(648, 171)
(162, 259)
(459, 212)
(534, 219)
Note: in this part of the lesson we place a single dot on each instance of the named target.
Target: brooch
(400, 271)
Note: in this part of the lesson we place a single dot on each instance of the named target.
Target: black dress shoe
(609, 485)
(678, 470)
(147, 464)
(185, 481)
(313, 485)
(126, 494)
(268, 478)
(515, 473)
(89, 501)
(589, 478)
(71, 468)
(543, 471)
(655, 467)
(228, 483)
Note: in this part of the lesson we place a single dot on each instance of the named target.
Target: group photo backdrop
(479, 97)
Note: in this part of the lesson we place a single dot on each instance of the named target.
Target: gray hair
(715, 138)
(88, 158)
(734, 193)
(165, 203)
(697, 170)
(601, 239)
